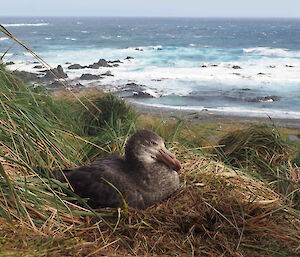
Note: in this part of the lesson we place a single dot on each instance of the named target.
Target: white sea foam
(106, 37)
(25, 24)
(158, 47)
(3, 38)
(48, 38)
(69, 38)
(272, 52)
(6, 54)
(84, 31)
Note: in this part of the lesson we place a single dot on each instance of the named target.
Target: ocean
(245, 67)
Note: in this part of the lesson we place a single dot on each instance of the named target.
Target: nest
(217, 211)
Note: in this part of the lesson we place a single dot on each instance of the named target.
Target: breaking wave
(25, 24)
(272, 52)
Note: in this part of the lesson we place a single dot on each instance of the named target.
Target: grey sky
(179, 8)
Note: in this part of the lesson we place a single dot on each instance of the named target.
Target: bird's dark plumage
(146, 175)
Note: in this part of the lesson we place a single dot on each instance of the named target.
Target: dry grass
(217, 211)
(262, 151)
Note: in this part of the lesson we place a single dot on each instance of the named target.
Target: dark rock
(56, 84)
(128, 58)
(79, 85)
(67, 63)
(26, 76)
(116, 61)
(139, 49)
(56, 73)
(236, 67)
(141, 94)
(90, 77)
(108, 73)
(135, 91)
(289, 66)
(9, 63)
(94, 66)
(132, 85)
(264, 99)
(35, 62)
(235, 73)
(272, 66)
(103, 63)
(76, 67)
(100, 63)
(261, 73)
(214, 65)
(38, 67)
(203, 66)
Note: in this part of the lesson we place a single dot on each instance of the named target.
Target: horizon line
(166, 17)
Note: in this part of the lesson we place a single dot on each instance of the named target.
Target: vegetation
(263, 152)
(238, 195)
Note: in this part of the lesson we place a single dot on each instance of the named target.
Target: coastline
(57, 81)
(212, 117)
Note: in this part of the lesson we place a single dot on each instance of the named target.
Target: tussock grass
(31, 137)
(105, 109)
(265, 154)
(261, 146)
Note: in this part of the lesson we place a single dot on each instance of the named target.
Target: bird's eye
(152, 143)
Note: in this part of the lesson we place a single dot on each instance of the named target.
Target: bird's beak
(168, 158)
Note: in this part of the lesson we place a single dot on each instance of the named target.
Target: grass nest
(217, 211)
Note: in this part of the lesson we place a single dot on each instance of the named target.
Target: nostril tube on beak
(168, 158)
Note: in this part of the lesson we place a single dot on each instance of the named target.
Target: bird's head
(147, 147)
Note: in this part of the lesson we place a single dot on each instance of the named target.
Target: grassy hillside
(239, 193)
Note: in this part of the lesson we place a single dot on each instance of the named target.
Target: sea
(243, 67)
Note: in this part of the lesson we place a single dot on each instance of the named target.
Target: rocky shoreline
(58, 78)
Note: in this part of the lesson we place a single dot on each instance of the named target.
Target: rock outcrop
(76, 67)
(56, 73)
(90, 77)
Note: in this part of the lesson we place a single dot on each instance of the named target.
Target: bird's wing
(95, 186)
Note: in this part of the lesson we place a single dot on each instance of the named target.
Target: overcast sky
(177, 8)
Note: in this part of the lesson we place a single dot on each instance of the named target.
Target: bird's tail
(56, 173)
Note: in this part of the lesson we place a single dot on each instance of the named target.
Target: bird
(146, 175)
